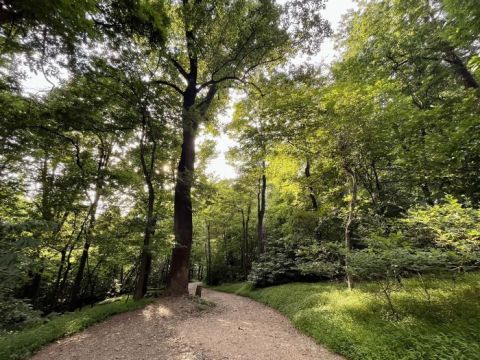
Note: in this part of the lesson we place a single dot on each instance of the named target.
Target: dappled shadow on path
(149, 333)
(186, 328)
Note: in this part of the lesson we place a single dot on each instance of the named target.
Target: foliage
(450, 225)
(276, 265)
(16, 314)
(287, 261)
(382, 118)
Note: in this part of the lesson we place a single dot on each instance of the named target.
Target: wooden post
(198, 291)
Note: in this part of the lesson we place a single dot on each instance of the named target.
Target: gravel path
(184, 329)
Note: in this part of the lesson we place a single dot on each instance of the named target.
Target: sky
(218, 166)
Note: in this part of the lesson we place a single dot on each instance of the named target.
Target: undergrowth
(437, 319)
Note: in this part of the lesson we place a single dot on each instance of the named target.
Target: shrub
(285, 261)
(16, 314)
(449, 225)
(276, 265)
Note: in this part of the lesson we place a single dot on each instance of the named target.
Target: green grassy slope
(359, 325)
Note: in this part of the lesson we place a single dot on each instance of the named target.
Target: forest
(357, 176)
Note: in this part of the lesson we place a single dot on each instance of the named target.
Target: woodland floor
(183, 328)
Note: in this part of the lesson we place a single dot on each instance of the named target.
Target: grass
(440, 324)
(21, 344)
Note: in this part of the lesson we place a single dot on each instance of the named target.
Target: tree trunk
(261, 213)
(311, 192)
(77, 284)
(79, 277)
(248, 242)
(146, 257)
(461, 69)
(165, 270)
(32, 289)
(225, 246)
(192, 113)
(209, 253)
(199, 272)
(378, 184)
(121, 274)
(183, 225)
(177, 283)
(66, 272)
(348, 224)
(148, 170)
(245, 245)
(105, 151)
(59, 277)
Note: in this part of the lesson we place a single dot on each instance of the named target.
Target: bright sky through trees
(334, 11)
(218, 166)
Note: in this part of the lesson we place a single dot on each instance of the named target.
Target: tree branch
(205, 103)
(172, 85)
(233, 78)
(179, 67)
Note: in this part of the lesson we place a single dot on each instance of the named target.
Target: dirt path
(183, 329)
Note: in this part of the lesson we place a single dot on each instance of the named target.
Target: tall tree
(216, 45)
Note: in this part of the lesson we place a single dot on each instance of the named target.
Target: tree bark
(177, 283)
(192, 113)
(183, 225)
